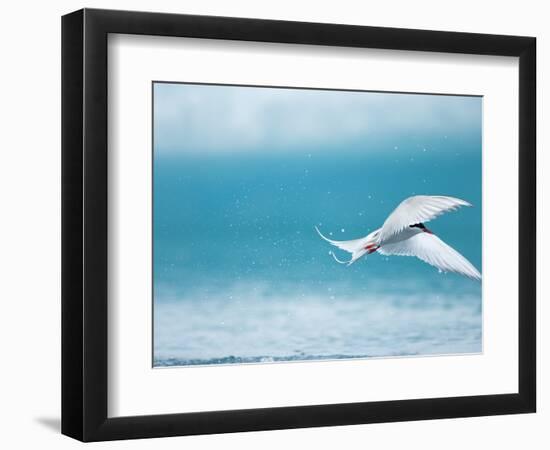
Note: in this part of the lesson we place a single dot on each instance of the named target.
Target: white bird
(404, 233)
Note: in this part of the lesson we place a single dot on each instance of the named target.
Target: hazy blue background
(242, 175)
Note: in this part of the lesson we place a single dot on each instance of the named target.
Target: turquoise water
(240, 275)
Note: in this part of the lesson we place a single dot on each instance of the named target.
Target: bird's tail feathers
(338, 260)
(357, 247)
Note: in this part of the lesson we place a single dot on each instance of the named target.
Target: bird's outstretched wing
(432, 250)
(418, 209)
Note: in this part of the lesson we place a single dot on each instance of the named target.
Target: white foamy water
(251, 323)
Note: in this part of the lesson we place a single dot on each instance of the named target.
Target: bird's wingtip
(474, 275)
(463, 202)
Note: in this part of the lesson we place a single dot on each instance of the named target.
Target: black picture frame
(84, 224)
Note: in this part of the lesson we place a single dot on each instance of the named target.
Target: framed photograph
(272, 224)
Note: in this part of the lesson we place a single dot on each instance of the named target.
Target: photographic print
(299, 224)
